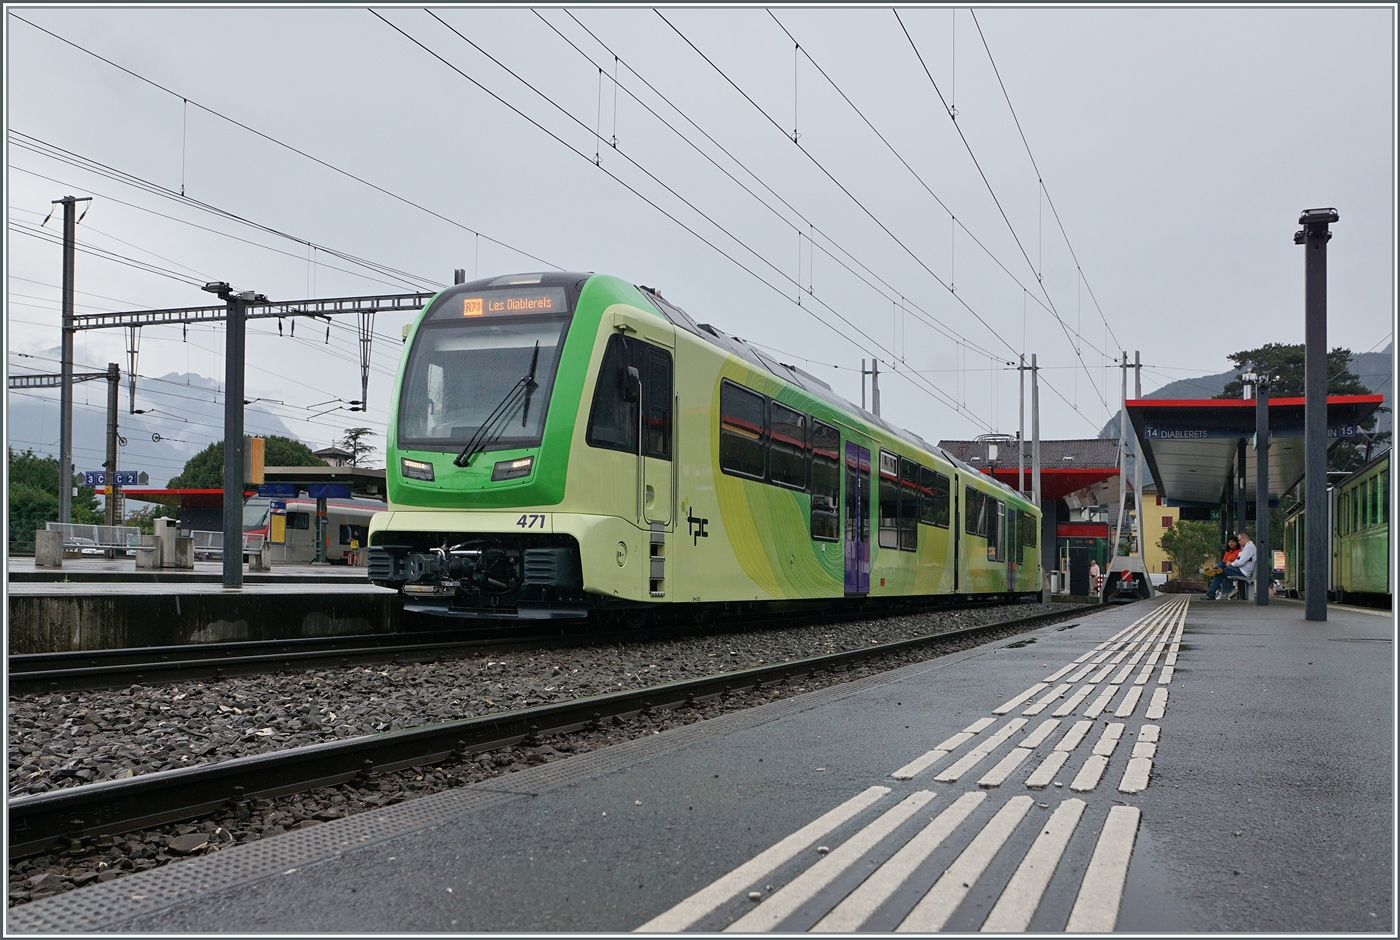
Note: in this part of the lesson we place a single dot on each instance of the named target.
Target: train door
(650, 343)
(1013, 548)
(857, 519)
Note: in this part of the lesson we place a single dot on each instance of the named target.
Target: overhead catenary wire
(928, 388)
(273, 140)
(1041, 181)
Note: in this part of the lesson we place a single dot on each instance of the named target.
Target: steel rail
(69, 818)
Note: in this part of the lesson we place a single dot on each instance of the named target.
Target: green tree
(1283, 363)
(33, 498)
(205, 470)
(145, 519)
(355, 442)
(1190, 545)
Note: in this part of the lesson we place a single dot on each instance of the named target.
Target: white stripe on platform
(1071, 703)
(1042, 731)
(1125, 707)
(1136, 776)
(709, 899)
(1059, 672)
(929, 758)
(1109, 739)
(1144, 675)
(1171, 658)
(1073, 736)
(1101, 891)
(1022, 894)
(975, 756)
(1047, 698)
(1165, 676)
(933, 911)
(1081, 673)
(1149, 732)
(1100, 703)
(1007, 706)
(1158, 708)
(998, 774)
(1145, 749)
(865, 900)
(1090, 774)
(805, 886)
(1102, 673)
(1045, 773)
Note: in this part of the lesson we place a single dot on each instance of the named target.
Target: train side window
(1029, 535)
(908, 505)
(658, 402)
(1374, 501)
(298, 520)
(787, 447)
(352, 535)
(612, 421)
(935, 489)
(741, 431)
(975, 514)
(1385, 498)
(995, 516)
(889, 500)
(826, 482)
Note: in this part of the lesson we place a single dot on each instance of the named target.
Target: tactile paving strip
(106, 906)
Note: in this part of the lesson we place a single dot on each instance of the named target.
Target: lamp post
(1264, 563)
(1314, 236)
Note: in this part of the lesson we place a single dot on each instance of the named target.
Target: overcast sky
(1177, 146)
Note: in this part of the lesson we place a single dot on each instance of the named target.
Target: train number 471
(532, 521)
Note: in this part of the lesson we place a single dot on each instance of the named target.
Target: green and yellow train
(1359, 525)
(569, 445)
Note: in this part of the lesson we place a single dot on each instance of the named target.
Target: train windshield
(255, 512)
(464, 366)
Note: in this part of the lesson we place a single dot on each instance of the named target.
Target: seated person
(1242, 567)
(1232, 551)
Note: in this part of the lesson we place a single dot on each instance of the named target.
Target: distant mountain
(1373, 369)
(184, 413)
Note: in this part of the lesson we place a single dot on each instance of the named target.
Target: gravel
(64, 740)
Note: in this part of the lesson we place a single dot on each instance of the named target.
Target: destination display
(505, 303)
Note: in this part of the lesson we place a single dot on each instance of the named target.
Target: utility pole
(863, 374)
(1122, 456)
(1314, 237)
(1021, 432)
(65, 389)
(875, 386)
(114, 378)
(1137, 461)
(234, 345)
(1035, 470)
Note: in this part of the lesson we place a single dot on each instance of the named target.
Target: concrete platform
(112, 570)
(1267, 806)
(49, 616)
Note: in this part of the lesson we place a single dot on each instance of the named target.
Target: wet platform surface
(1161, 767)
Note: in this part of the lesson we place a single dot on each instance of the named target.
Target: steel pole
(1241, 474)
(1314, 237)
(875, 387)
(1045, 538)
(1021, 433)
(65, 388)
(1264, 565)
(1137, 462)
(1122, 457)
(233, 438)
(114, 376)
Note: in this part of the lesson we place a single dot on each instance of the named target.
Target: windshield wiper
(484, 435)
(530, 383)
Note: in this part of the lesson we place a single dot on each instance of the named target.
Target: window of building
(1159, 499)
(741, 431)
(975, 513)
(787, 447)
(1166, 522)
(908, 505)
(935, 491)
(1166, 567)
(889, 500)
(826, 481)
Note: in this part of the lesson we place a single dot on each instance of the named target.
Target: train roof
(804, 380)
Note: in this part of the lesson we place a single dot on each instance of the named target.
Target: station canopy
(281, 482)
(1191, 445)
(1066, 466)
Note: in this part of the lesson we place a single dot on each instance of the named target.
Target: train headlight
(512, 469)
(416, 469)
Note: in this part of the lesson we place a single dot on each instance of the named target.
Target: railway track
(68, 819)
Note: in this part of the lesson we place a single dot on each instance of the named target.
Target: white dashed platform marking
(1101, 891)
(1019, 900)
